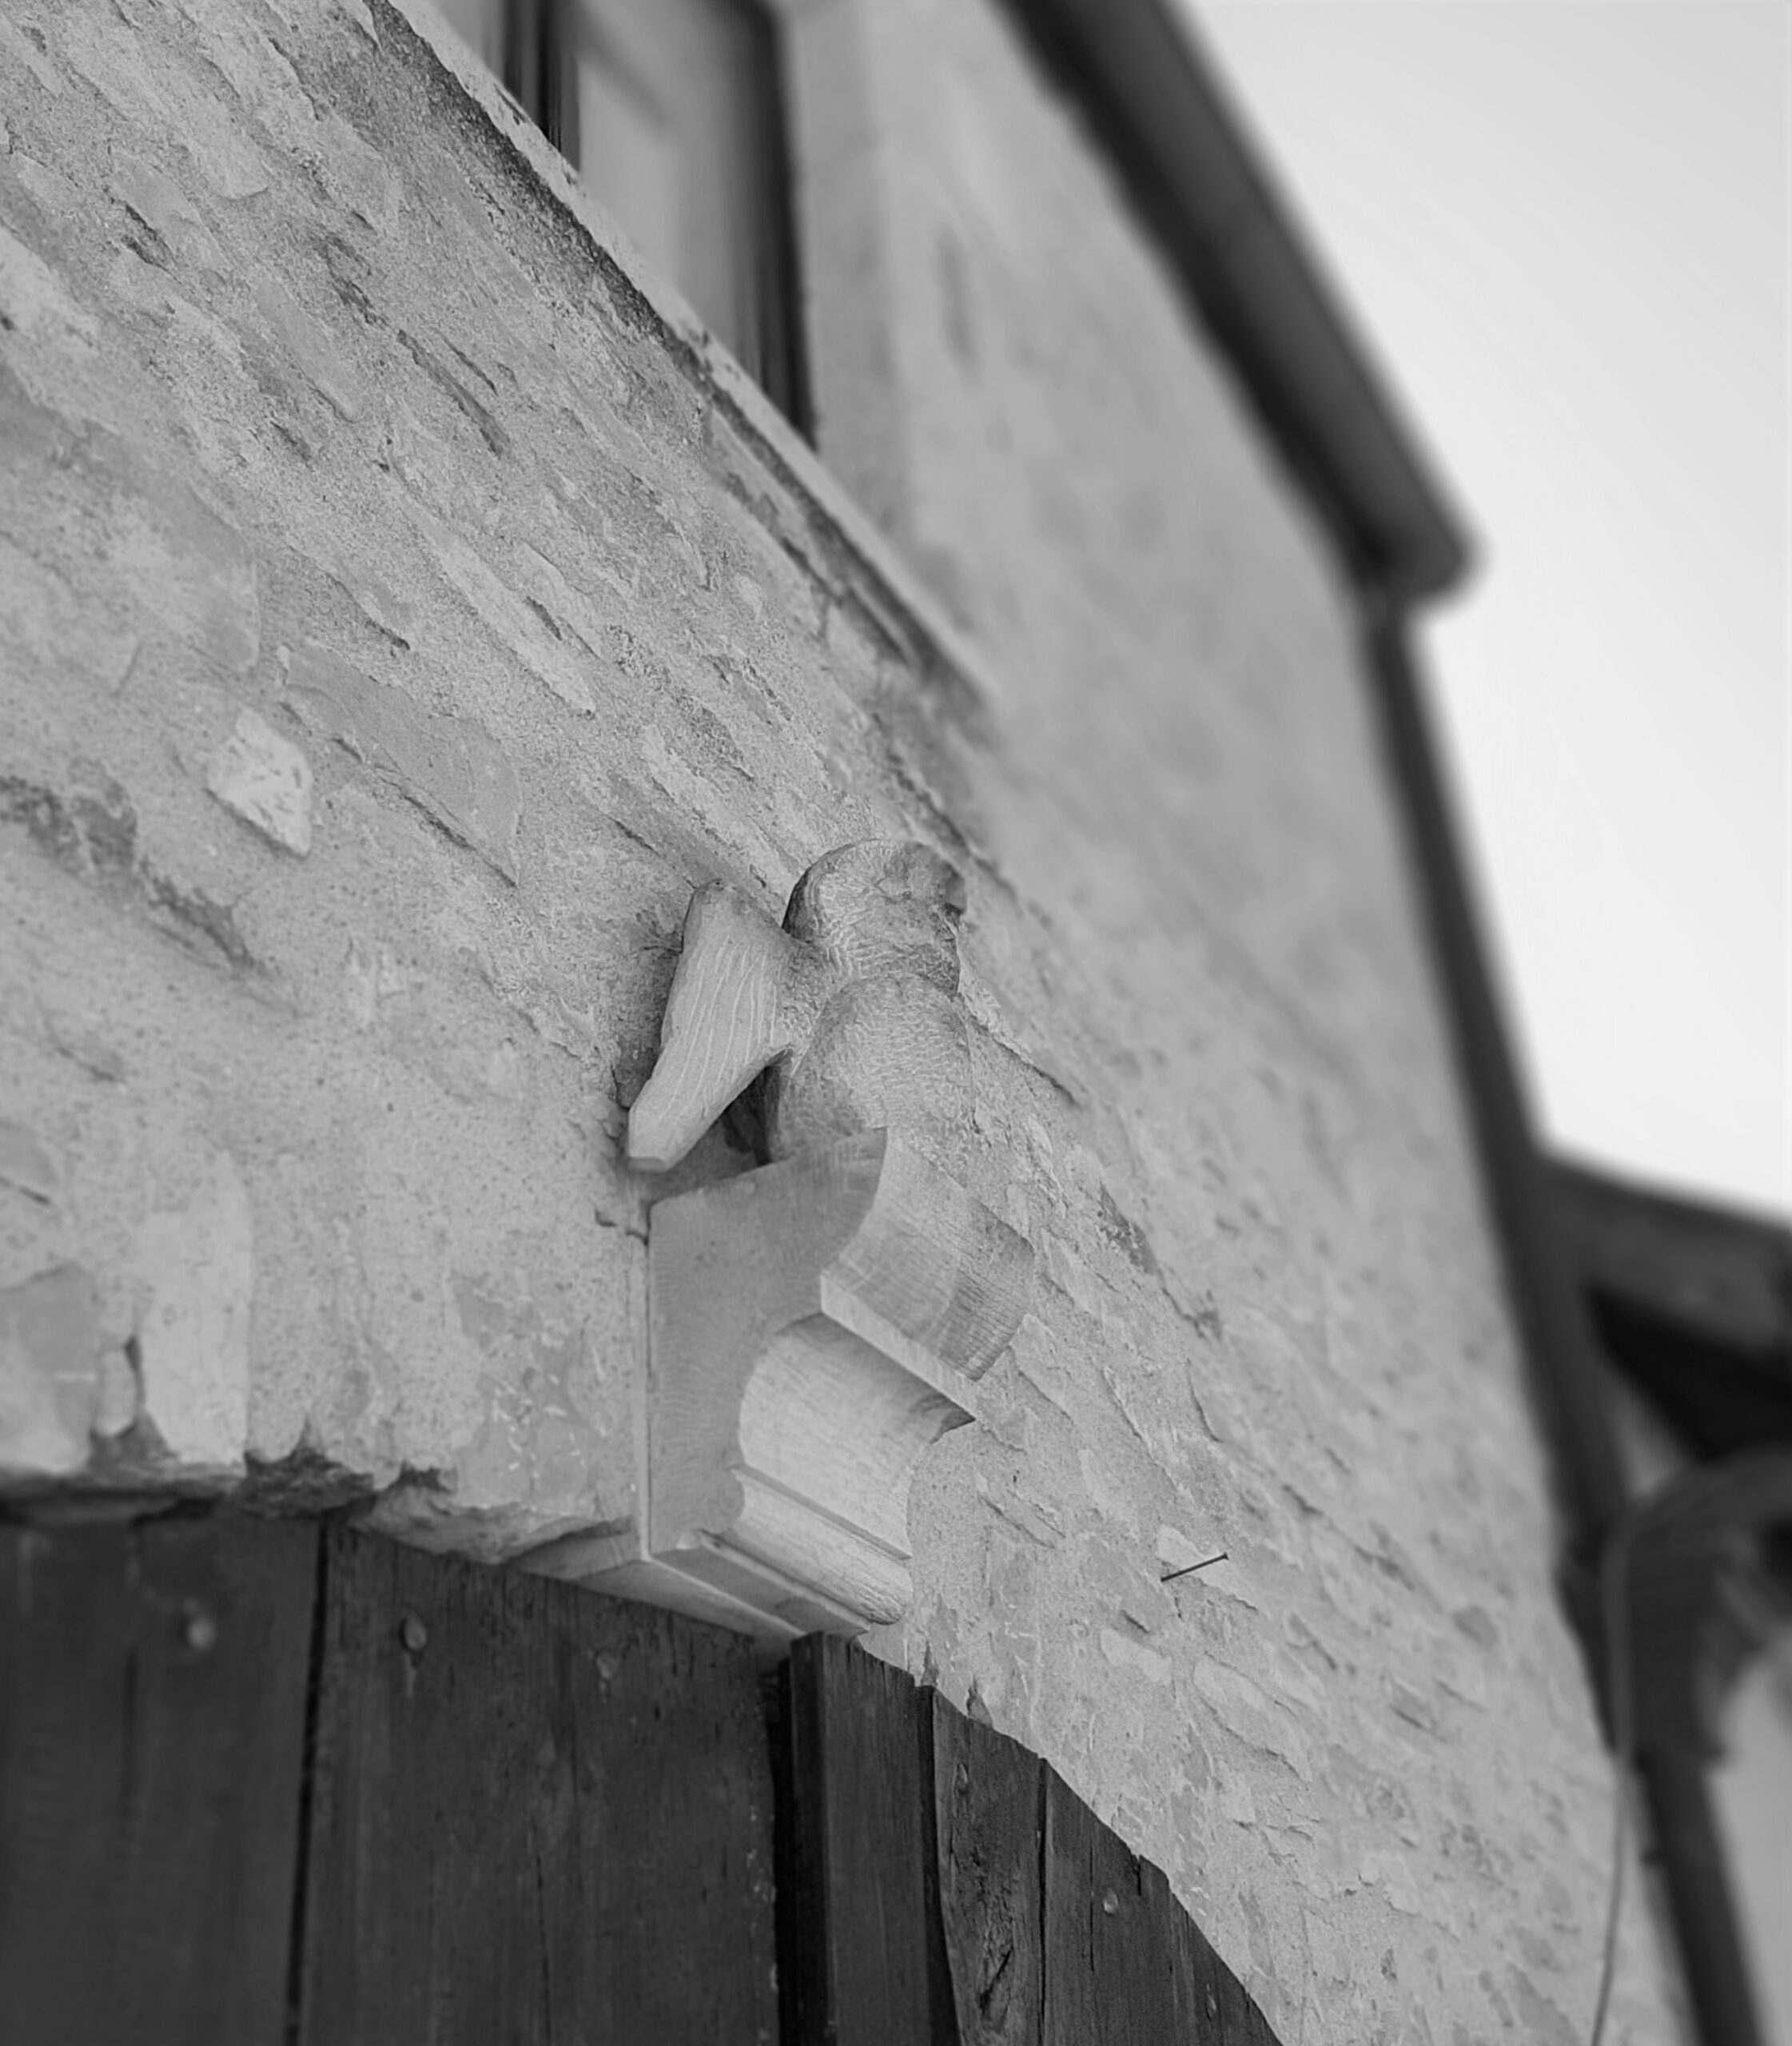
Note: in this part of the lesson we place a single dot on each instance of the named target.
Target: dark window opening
(672, 113)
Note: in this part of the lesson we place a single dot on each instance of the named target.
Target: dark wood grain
(1212, 2004)
(938, 1882)
(987, 1792)
(867, 1968)
(1109, 1941)
(152, 1718)
(541, 1818)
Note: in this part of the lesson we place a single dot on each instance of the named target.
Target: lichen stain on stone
(91, 831)
(49, 1357)
(450, 769)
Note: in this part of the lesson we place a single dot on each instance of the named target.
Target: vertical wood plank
(987, 1792)
(153, 1694)
(1212, 2004)
(1110, 1940)
(69, 1619)
(539, 1816)
(866, 1968)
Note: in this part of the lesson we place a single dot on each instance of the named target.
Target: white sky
(1566, 225)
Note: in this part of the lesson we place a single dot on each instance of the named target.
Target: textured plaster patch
(50, 1360)
(196, 1269)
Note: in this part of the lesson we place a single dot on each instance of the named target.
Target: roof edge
(1135, 71)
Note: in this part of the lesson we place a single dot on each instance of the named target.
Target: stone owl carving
(850, 1011)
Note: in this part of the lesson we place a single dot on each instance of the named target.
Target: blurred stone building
(468, 481)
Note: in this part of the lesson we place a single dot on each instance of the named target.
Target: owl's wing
(728, 1016)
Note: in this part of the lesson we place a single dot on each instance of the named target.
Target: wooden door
(267, 1784)
(278, 1783)
(946, 1888)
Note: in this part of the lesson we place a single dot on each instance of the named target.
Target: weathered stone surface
(525, 625)
(1269, 1320)
(35, 299)
(163, 208)
(195, 1267)
(27, 57)
(153, 96)
(157, 539)
(89, 827)
(46, 621)
(25, 1165)
(394, 615)
(540, 549)
(307, 345)
(449, 767)
(50, 1357)
(266, 780)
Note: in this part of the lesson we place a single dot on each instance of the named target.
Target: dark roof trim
(1692, 1303)
(1721, 1276)
(1132, 70)
(1546, 1283)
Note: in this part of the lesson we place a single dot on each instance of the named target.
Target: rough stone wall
(397, 624)
(1361, 1746)
(401, 608)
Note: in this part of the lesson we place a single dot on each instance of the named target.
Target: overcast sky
(1565, 226)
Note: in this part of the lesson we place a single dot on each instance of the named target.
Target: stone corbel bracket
(815, 1325)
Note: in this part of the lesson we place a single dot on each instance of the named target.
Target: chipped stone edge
(728, 382)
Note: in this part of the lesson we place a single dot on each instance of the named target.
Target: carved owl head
(882, 906)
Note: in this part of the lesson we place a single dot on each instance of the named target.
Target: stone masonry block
(266, 780)
(451, 768)
(49, 1357)
(196, 1269)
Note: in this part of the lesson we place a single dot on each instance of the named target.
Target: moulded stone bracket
(814, 1326)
